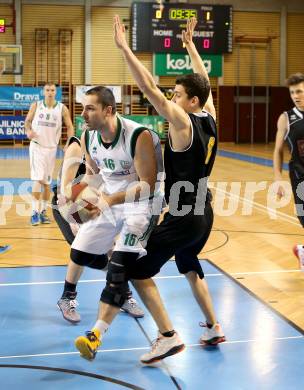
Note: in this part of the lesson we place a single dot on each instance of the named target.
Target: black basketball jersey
(295, 140)
(195, 162)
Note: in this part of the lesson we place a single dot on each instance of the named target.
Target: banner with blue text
(20, 98)
(12, 127)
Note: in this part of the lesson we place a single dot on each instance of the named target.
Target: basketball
(76, 189)
(81, 200)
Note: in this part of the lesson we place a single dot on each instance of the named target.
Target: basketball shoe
(131, 307)
(44, 218)
(163, 347)
(212, 336)
(298, 250)
(35, 218)
(87, 345)
(4, 248)
(67, 304)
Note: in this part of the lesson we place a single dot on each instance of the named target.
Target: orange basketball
(77, 189)
(82, 199)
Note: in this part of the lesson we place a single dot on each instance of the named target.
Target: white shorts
(42, 162)
(126, 226)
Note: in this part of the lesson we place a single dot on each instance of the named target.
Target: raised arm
(278, 153)
(30, 133)
(145, 82)
(197, 63)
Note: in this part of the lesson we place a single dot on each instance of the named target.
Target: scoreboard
(158, 29)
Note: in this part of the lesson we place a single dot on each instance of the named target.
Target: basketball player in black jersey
(291, 130)
(189, 156)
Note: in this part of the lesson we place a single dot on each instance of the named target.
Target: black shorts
(297, 183)
(182, 237)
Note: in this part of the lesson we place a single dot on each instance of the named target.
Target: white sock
(43, 205)
(35, 206)
(102, 326)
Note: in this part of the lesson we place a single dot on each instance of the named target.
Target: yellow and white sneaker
(87, 345)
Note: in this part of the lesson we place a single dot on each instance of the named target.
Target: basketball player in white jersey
(43, 126)
(72, 169)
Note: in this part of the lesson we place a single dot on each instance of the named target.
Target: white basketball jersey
(116, 163)
(47, 123)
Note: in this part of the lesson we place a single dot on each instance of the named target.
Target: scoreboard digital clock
(182, 14)
(158, 29)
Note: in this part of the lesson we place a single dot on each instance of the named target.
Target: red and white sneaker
(212, 336)
(298, 250)
(163, 347)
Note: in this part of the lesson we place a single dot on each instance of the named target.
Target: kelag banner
(177, 64)
(153, 122)
(12, 127)
(20, 98)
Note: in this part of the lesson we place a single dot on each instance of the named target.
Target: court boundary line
(17, 284)
(254, 295)
(259, 340)
(249, 158)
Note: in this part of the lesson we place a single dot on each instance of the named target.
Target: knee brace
(88, 259)
(115, 294)
(117, 290)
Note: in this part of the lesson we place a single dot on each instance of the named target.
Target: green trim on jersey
(51, 107)
(152, 223)
(134, 137)
(116, 139)
(114, 143)
(99, 138)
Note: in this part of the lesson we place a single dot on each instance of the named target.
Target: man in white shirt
(43, 126)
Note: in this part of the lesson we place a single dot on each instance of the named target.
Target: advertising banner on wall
(12, 127)
(168, 64)
(81, 90)
(79, 122)
(153, 122)
(20, 98)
